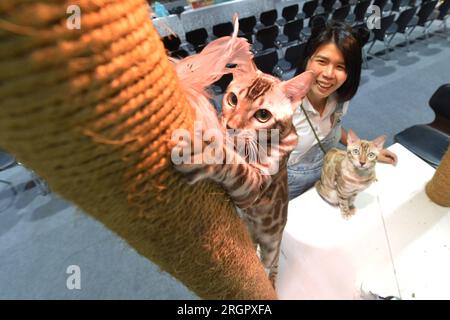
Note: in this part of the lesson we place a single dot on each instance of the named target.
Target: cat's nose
(362, 163)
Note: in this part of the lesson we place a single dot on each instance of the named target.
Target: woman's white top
(322, 125)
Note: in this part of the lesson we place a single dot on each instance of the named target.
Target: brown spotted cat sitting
(347, 173)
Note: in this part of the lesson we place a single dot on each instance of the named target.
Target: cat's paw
(347, 214)
(193, 175)
(187, 156)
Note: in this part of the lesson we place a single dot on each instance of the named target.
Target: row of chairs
(269, 62)
(198, 38)
(407, 20)
(404, 22)
(277, 54)
(265, 34)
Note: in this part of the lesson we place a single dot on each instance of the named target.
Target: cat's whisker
(253, 151)
(261, 148)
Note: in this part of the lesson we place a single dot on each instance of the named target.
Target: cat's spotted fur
(266, 213)
(347, 173)
(255, 102)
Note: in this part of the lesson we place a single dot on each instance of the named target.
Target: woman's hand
(388, 157)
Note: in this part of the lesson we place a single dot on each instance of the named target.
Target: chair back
(443, 10)
(363, 34)
(171, 42)
(292, 29)
(266, 62)
(295, 54)
(268, 18)
(267, 36)
(197, 37)
(384, 25)
(328, 5)
(247, 24)
(404, 18)
(440, 101)
(222, 29)
(341, 13)
(309, 7)
(361, 9)
(290, 12)
(425, 11)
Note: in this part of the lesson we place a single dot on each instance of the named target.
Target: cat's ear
(197, 72)
(242, 56)
(352, 138)
(245, 68)
(297, 88)
(379, 142)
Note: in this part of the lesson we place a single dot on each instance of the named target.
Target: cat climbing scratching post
(92, 110)
(438, 189)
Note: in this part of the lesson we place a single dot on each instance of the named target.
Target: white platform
(397, 244)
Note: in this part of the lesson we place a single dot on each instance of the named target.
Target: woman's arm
(388, 157)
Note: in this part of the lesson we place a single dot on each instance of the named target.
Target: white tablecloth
(397, 244)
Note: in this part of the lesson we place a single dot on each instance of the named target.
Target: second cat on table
(347, 173)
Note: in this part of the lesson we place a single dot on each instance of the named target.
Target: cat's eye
(355, 152)
(232, 99)
(263, 115)
(371, 155)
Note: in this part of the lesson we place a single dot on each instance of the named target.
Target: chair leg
(425, 29)
(407, 42)
(370, 48)
(374, 56)
(411, 31)
(364, 56)
(442, 33)
(386, 48)
(390, 39)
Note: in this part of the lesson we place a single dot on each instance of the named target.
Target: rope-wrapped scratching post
(92, 112)
(438, 189)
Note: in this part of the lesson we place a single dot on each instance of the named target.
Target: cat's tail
(199, 71)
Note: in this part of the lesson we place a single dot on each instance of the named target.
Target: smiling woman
(334, 54)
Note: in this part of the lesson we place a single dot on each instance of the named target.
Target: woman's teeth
(324, 86)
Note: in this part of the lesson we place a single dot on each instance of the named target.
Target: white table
(397, 244)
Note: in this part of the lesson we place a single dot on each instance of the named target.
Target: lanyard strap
(312, 128)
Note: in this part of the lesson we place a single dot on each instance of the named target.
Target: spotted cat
(347, 173)
(257, 110)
